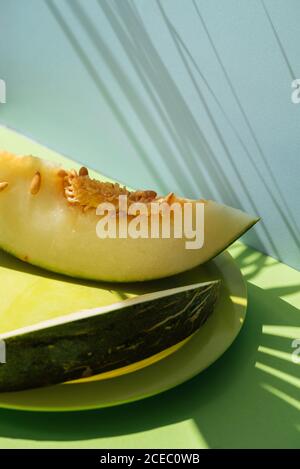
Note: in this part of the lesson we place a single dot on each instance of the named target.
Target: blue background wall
(190, 96)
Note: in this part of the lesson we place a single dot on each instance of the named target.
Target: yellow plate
(134, 366)
(205, 346)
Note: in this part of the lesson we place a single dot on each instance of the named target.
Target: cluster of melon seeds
(88, 193)
(82, 191)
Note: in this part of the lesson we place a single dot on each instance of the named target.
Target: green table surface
(248, 398)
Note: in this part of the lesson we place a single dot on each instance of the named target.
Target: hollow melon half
(48, 218)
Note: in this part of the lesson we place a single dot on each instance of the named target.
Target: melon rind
(99, 340)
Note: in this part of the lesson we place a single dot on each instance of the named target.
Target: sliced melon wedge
(48, 218)
(97, 340)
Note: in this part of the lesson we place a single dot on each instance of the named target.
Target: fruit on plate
(89, 342)
(49, 217)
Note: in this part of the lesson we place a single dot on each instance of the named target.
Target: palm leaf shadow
(293, 232)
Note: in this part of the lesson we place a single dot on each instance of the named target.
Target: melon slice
(98, 340)
(48, 217)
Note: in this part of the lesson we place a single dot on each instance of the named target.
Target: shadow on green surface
(235, 403)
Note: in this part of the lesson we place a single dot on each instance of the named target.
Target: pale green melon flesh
(46, 231)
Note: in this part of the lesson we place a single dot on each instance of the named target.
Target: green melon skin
(53, 353)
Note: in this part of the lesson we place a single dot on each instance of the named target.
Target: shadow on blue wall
(192, 132)
(183, 128)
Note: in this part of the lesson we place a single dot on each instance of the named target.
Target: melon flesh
(44, 229)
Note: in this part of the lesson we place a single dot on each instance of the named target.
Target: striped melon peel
(101, 342)
(48, 217)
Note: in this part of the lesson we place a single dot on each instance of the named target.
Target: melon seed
(83, 171)
(61, 173)
(3, 185)
(35, 183)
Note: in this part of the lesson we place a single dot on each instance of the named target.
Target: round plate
(206, 346)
